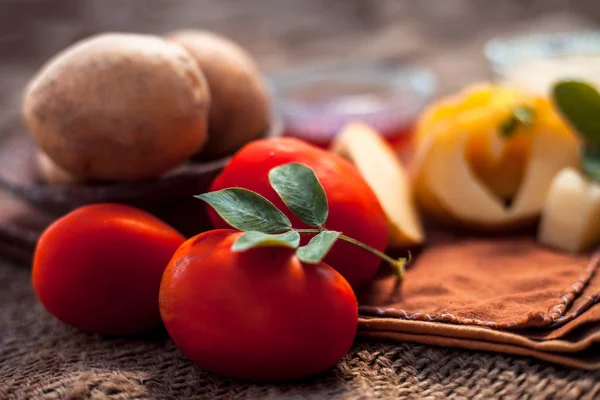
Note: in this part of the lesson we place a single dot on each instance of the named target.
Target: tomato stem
(398, 265)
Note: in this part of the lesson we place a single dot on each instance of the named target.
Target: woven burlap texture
(40, 358)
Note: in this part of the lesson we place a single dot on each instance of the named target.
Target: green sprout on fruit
(520, 116)
(265, 225)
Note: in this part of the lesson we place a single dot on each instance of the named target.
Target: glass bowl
(535, 62)
(315, 102)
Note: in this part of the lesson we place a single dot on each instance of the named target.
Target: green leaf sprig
(265, 225)
(520, 116)
(579, 103)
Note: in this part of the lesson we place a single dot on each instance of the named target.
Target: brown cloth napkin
(500, 294)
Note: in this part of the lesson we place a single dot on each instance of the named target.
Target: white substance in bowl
(539, 75)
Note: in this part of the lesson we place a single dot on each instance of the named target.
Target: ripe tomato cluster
(259, 314)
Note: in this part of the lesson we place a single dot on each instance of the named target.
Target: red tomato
(259, 314)
(99, 268)
(353, 207)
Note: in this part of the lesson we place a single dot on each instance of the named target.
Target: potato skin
(52, 173)
(118, 107)
(240, 108)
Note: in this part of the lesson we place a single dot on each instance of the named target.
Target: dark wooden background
(446, 35)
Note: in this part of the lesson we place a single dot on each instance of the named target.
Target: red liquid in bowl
(398, 136)
(318, 112)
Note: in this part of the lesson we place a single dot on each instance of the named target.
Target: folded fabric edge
(564, 309)
(462, 332)
(470, 344)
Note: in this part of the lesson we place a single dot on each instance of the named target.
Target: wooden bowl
(19, 175)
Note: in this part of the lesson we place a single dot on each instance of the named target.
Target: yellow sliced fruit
(448, 177)
(380, 166)
(497, 161)
(466, 170)
(571, 213)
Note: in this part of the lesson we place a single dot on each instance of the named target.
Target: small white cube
(570, 219)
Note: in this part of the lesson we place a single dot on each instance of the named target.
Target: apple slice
(379, 165)
(571, 215)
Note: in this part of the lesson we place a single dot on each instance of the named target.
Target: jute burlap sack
(40, 358)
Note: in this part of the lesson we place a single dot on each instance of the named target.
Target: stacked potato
(119, 107)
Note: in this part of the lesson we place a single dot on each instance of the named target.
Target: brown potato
(118, 107)
(53, 174)
(240, 107)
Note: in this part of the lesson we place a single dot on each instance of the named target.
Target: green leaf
(579, 103)
(590, 162)
(301, 191)
(520, 116)
(253, 239)
(318, 247)
(246, 210)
